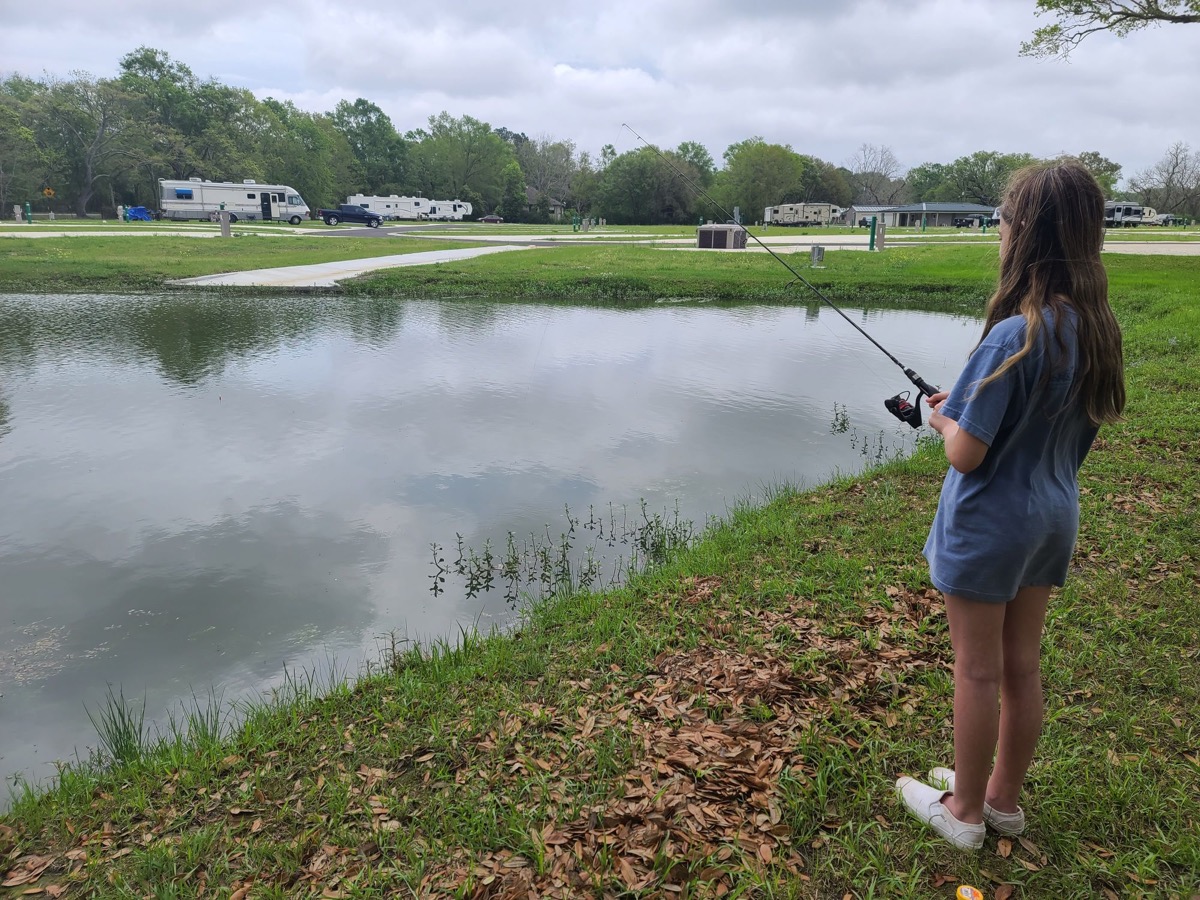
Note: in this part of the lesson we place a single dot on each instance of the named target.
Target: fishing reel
(904, 410)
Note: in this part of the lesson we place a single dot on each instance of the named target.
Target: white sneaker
(1003, 822)
(925, 803)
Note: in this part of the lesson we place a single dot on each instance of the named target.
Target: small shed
(858, 213)
(721, 237)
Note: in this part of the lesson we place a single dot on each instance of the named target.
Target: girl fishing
(1017, 425)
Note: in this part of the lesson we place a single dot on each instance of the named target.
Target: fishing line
(899, 406)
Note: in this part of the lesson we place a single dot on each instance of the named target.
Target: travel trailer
(394, 207)
(196, 198)
(1122, 214)
(452, 210)
(799, 214)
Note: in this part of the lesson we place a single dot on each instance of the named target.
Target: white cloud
(934, 79)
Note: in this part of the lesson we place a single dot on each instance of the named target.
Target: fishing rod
(899, 406)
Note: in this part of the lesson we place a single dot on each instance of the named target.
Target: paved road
(330, 273)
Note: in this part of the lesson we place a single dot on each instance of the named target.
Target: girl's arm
(964, 451)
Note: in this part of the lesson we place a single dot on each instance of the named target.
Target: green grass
(74, 264)
(927, 277)
(730, 723)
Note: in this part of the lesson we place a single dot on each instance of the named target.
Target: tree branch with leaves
(1077, 19)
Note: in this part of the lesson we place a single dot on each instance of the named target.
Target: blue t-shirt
(1012, 522)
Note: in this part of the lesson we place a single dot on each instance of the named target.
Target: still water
(200, 491)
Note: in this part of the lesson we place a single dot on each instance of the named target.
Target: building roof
(866, 208)
(942, 208)
(532, 194)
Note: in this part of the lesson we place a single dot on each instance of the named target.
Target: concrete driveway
(330, 273)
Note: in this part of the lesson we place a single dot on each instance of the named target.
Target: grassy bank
(730, 724)
(941, 278)
(134, 263)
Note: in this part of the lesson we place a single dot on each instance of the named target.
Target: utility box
(721, 237)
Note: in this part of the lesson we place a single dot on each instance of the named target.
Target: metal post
(874, 221)
(223, 217)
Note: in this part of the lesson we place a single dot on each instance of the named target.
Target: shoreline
(729, 721)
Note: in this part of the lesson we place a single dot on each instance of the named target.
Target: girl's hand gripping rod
(899, 406)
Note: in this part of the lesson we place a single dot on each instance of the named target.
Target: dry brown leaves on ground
(715, 727)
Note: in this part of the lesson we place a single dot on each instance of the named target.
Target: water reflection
(199, 490)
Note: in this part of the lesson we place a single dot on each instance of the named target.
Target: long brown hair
(1054, 219)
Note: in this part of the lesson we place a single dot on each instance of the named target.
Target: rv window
(251, 196)
(294, 200)
(418, 203)
(278, 198)
(183, 193)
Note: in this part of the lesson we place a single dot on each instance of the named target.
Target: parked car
(349, 213)
(492, 219)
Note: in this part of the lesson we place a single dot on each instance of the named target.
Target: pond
(201, 492)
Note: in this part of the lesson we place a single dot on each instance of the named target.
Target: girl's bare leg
(1020, 696)
(976, 632)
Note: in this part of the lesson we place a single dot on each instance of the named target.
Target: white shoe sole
(1010, 824)
(925, 803)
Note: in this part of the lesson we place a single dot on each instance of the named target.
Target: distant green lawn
(83, 263)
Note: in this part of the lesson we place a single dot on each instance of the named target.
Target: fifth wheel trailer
(799, 214)
(394, 207)
(196, 198)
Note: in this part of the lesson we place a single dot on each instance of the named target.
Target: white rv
(799, 214)
(394, 207)
(200, 199)
(451, 210)
(1122, 214)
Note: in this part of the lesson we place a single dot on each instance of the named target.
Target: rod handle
(922, 385)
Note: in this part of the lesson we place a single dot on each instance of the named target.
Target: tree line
(87, 144)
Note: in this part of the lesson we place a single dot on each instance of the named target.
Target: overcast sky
(932, 79)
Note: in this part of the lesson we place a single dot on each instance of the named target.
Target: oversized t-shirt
(1012, 521)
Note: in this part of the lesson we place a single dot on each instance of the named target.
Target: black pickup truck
(349, 213)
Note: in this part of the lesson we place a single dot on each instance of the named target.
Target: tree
(758, 175)
(379, 149)
(1105, 171)
(1172, 184)
(823, 182)
(876, 176)
(639, 187)
(181, 127)
(930, 182)
(547, 164)
(585, 184)
(1079, 18)
(22, 162)
(516, 138)
(512, 197)
(983, 176)
(460, 158)
(700, 159)
(306, 151)
(83, 122)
